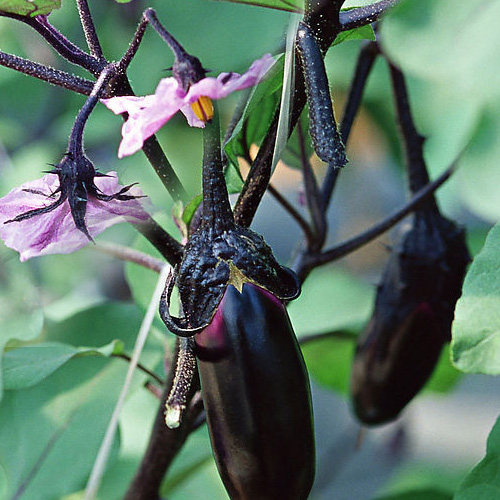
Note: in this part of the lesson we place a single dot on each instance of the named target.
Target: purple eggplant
(411, 322)
(257, 399)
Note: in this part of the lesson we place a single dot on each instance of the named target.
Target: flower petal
(55, 231)
(148, 114)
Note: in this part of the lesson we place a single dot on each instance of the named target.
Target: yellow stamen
(203, 109)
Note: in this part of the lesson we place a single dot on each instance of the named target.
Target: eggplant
(414, 307)
(257, 399)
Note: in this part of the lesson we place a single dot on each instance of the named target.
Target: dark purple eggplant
(411, 322)
(256, 395)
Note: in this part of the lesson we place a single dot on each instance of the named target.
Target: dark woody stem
(364, 66)
(90, 32)
(361, 16)
(76, 138)
(413, 142)
(47, 74)
(174, 45)
(216, 213)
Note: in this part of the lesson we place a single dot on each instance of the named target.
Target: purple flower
(149, 113)
(55, 231)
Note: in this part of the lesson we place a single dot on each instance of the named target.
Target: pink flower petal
(148, 114)
(55, 231)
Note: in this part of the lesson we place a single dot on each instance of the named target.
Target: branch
(297, 217)
(60, 43)
(47, 74)
(314, 260)
(361, 16)
(413, 142)
(89, 30)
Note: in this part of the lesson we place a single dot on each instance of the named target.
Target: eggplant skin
(257, 399)
(414, 307)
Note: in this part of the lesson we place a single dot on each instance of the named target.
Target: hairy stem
(47, 74)
(89, 30)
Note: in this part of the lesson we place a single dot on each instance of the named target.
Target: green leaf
(423, 494)
(329, 359)
(191, 208)
(29, 365)
(29, 7)
(257, 113)
(483, 482)
(61, 421)
(476, 328)
(287, 5)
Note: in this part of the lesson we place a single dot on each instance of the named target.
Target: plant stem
(89, 30)
(167, 245)
(361, 16)
(297, 217)
(313, 260)
(217, 213)
(413, 142)
(47, 74)
(61, 44)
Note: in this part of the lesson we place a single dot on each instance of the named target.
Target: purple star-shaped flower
(55, 231)
(149, 113)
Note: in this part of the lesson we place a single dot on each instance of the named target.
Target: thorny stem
(314, 260)
(47, 74)
(89, 30)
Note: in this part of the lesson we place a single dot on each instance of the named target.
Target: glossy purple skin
(257, 399)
